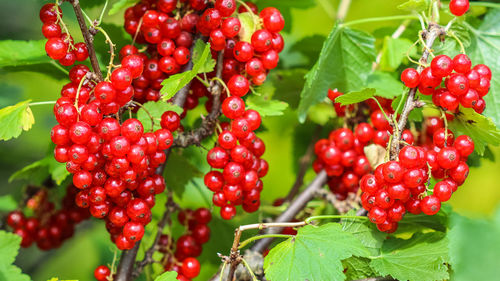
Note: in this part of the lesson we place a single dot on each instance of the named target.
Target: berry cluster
(342, 155)
(400, 186)
(239, 182)
(60, 46)
(463, 84)
(180, 256)
(113, 164)
(343, 158)
(48, 227)
(183, 259)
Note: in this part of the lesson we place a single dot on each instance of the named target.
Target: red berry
(483, 71)
(393, 172)
(133, 231)
(442, 66)
(273, 20)
(190, 267)
(238, 85)
(459, 7)
(462, 63)
(464, 145)
(56, 48)
(377, 215)
(101, 273)
(458, 84)
(227, 212)
(448, 158)
(430, 205)
(233, 107)
(410, 77)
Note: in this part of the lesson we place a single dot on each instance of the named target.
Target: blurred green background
(90, 247)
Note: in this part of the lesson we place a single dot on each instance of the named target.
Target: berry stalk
(431, 34)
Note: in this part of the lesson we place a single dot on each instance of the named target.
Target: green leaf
(309, 46)
(167, 276)
(387, 86)
(393, 52)
(176, 82)
(480, 128)
(9, 247)
(357, 268)
(321, 113)
(356, 97)
(87, 4)
(485, 48)
(17, 53)
(421, 258)
(12, 272)
(474, 248)
(155, 109)
(285, 85)
(414, 6)
(365, 232)
(7, 203)
(286, 7)
(248, 26)
(315, 253)
(450, 46)
(266, 107)
(207, 64)
(413, 223)
(15, 119)
(178, 172)
(345, 62)
(121, 5)
(38, 171)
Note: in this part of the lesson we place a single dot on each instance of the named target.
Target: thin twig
(295, 207)
(89, 39)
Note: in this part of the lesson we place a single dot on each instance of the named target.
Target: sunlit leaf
(345, 63)
(15, 119)
(17, 53)
(315, 253)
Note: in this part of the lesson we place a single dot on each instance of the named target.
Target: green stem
(222, 271)
(223, 84)
(251, 239)
(249, 269)
(381, 109)
(203, 81)
(308, 220)
(56, 65)
(389, 18)
(484, 4)
(103, 10)
(42, 103)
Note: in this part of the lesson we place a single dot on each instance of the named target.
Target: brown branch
(88, 37)
(208, 124)
(171, 207)
(295, 207)
(127, 260)
(430, 35)
(304, 164)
